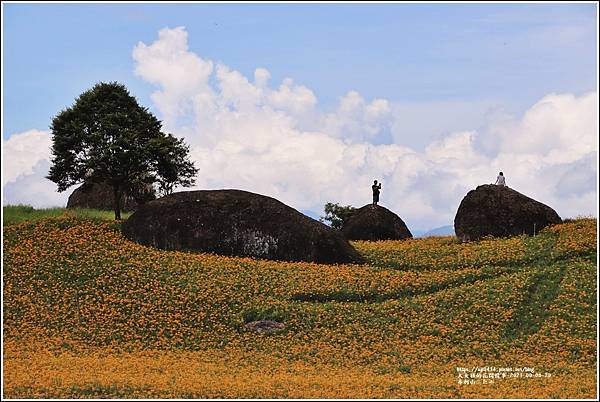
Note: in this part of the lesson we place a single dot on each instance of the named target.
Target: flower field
(88, 314)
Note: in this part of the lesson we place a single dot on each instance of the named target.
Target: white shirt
(501, 181)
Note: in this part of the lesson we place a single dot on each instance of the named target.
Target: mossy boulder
(500, 211)
(374, 222)
(99, 196)
(236, 223)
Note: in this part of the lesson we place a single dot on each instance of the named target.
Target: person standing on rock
(376, 189)
(500, 180)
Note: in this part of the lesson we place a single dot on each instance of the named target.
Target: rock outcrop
(500, 211)
(99, 196)
(236, 223)
(374, 222)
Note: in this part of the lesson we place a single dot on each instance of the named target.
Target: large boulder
(98, 196)
(374, 222)
(237, 223)
(500, 211)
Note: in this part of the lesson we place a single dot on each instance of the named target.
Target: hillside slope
(90, 314)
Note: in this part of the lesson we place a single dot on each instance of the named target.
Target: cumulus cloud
(417, 124)
(562, 127)
(25, 165)
(357, 120)
(22, 151)
(272, 138)
(169, 64)
(34, 189)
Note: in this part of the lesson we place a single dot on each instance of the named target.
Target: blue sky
(432, 99)
(509, 53)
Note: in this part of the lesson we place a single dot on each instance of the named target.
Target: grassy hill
(89, 314)
(13, 214)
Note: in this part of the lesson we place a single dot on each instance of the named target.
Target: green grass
(15, 214)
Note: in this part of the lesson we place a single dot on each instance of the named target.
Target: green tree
(337, 215)
(106, 136)
(171, 164)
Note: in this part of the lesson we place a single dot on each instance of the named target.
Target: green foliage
(532, 312)
(337, 215)
(15, 214)
(172, 167)
(275, 312)
(106, 136)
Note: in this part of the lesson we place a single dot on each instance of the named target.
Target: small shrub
(272, 312)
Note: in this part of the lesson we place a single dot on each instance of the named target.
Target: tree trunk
(117, 202)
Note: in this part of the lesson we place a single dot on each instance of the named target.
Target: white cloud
(34, 189)
(295, 99)
(562, 127)
(357, 120)
(273, 139)
(22, 151)
(169, 64)
(417, 124)
(25, 165)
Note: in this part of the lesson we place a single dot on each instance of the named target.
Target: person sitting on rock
(376, 189)
(500, 181)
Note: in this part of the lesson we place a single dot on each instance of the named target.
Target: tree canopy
(106, 136)
(337, 214)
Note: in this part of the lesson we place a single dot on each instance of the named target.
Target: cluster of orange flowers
(89, 314)
(442, 253)
(577, 237)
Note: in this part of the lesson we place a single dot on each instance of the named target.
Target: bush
(337, 215)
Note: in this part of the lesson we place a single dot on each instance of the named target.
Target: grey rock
(265, 326)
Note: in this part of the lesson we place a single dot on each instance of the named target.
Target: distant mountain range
(447, 230)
